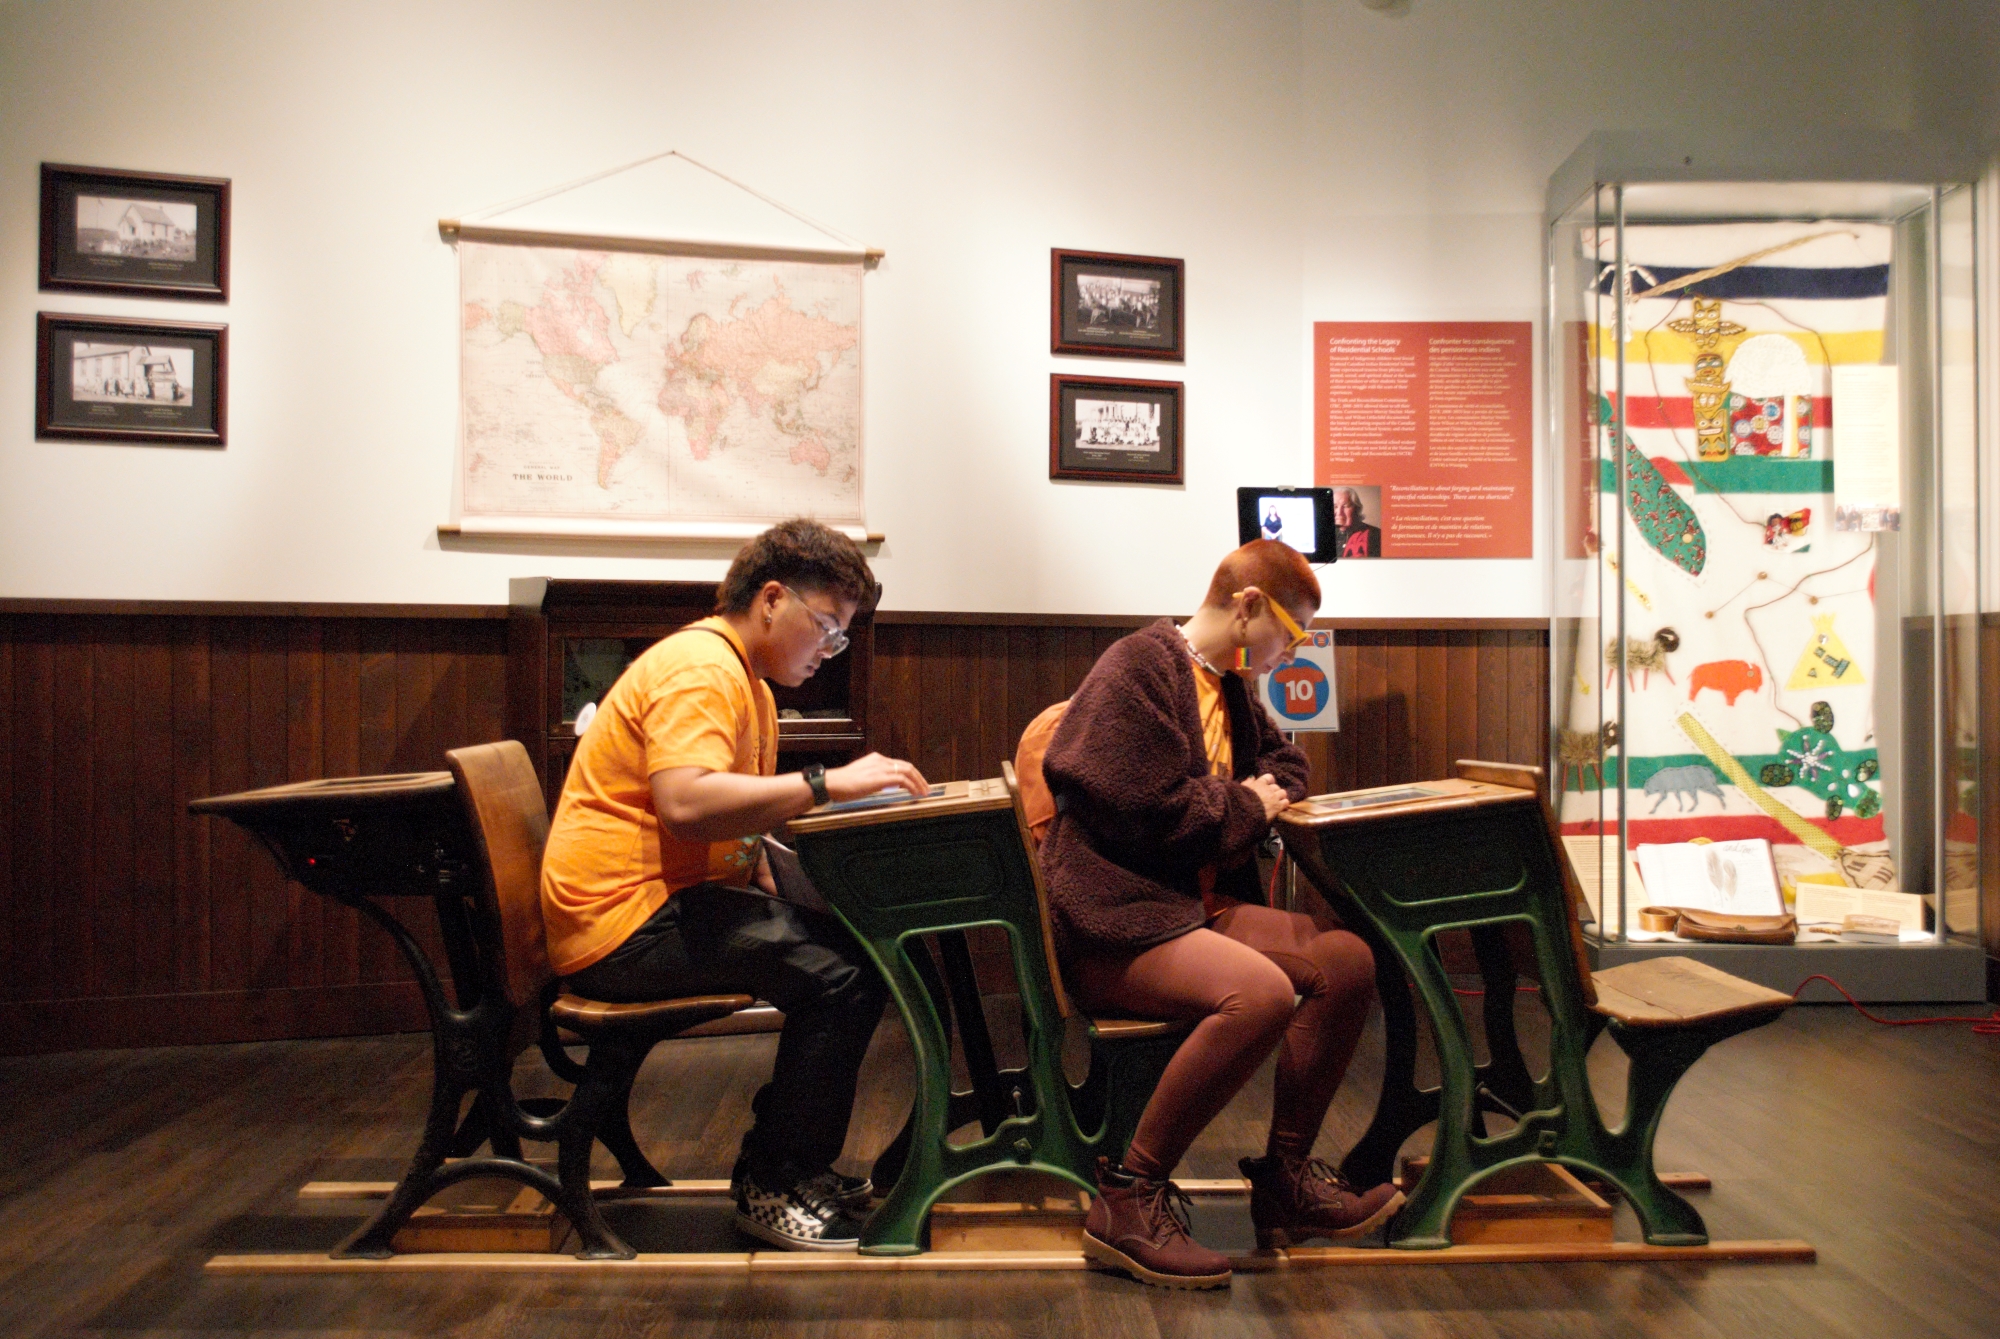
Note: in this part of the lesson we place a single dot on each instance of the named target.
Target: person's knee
(1260, 1001)
(1345, 964)
(854, 984)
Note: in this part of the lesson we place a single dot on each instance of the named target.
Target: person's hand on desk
(695, 804)
(872, 773)
(1270, 793)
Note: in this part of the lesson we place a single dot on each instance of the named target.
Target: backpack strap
(749, 678)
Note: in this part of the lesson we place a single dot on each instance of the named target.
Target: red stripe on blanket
(1732, 827)
(1654, 411)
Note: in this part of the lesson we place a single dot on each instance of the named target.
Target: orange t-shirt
(687, 701)
(1214, 723)
(1221, 762)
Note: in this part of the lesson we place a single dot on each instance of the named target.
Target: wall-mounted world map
(605, 385)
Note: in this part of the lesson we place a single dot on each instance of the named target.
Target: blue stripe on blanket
(1749, 282)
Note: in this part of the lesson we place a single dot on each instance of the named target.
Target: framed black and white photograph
(144, 234)
(1105, 428)
(1111, 306)
(109, 379)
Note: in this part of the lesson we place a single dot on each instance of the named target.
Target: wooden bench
(1478, 852)
(471, 840)
(509, 822)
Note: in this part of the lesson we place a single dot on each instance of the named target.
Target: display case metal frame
(1927, 580)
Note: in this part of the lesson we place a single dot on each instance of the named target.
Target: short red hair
(1278, 570)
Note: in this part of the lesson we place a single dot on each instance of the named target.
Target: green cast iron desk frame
(941, 867)
(1480, 857)
(362, 840)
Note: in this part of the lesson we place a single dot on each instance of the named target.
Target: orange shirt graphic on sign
(688, 701)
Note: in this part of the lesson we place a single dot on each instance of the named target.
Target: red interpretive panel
(1425, 431)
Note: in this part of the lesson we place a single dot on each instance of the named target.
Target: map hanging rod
(582, 527)
(453, 230)
(472, 227)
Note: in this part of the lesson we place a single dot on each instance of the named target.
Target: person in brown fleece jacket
(1166, 775)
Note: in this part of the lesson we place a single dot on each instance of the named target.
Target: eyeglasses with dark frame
(832, 637)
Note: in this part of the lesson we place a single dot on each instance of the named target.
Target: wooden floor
(131, 1168)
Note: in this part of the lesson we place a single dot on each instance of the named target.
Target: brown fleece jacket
(1138, 812)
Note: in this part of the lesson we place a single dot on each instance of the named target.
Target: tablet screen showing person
(1300, 517)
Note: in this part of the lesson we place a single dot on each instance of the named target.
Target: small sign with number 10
(1300, 691)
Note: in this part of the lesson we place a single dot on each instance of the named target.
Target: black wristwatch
(815, 775)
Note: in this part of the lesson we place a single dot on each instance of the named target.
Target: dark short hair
(803, 554)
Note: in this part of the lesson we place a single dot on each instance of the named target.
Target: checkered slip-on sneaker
(856, 1194)
(805, 1217)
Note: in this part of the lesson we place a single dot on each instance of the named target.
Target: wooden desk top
(355, 837)
(1316, 812)
(960, 797)
(345, 794)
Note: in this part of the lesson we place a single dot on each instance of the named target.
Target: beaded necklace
(1199, 658)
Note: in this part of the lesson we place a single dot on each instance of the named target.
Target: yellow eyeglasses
(1298, 634)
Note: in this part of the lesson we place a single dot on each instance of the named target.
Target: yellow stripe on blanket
(1664, 346)
(1739, 776)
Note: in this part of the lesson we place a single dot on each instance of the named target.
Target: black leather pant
(716, 940)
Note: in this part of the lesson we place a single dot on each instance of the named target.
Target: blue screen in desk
(1379, 797)
(877, 801)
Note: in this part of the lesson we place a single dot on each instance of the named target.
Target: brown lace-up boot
(1293, 1200)
(1140, 1226)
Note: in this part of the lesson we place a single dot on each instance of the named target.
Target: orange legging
(1239, 976)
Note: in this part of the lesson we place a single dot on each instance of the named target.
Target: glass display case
(1764, 482)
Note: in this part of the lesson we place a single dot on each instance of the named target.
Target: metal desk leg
(1402, 1108)
(1502, 1084)
(469, 1054)
(957, 985)
(1504, 1079)
(989, 1094)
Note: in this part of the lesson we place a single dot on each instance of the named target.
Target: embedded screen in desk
(1336, 803)
(878, 800)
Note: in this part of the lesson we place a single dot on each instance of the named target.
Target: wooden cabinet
(568, 641)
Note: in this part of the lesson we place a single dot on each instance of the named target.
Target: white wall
(1311, 160)
(1430, 132)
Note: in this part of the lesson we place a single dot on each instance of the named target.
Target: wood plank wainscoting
(129, 923)
(126, 922)
(954, 691)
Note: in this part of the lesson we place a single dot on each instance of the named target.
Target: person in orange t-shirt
(655, 883)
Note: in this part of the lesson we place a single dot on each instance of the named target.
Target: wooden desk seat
(588, 1018)
(1479, 852)
(510, 826)
(1127, 1055)
(1679, 992)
